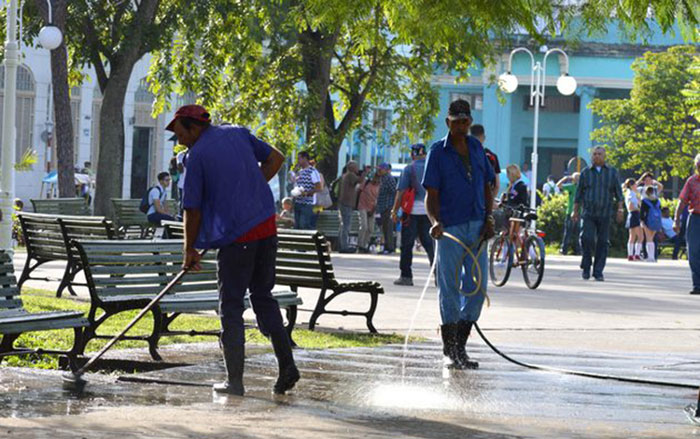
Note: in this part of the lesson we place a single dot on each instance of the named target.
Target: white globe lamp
(508, 82)
(50, 37)
(566, 84)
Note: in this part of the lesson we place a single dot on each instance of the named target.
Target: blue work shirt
(461, 195)
(225, 183)
(412, 176)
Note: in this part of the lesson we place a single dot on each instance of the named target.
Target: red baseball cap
(196, 112)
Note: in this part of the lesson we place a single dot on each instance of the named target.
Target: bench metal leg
(7, 343)
(374, 298)
(155, 335)
(66, 280)
(318, 310)
(27, 270)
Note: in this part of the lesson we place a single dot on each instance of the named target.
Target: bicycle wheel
(500, 260)
(533, 269)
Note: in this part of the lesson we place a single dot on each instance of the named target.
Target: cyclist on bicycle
(515, 197)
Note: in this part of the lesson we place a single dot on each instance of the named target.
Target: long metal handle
(138, 317)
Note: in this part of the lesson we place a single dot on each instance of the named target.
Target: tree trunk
(110, 162)
(61, 102)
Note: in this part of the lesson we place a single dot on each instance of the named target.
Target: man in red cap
(229, 206)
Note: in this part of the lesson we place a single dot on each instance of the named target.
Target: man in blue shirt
(229, 206)
(458, 179)
(416, 222)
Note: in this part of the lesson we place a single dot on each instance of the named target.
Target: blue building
(601, 67)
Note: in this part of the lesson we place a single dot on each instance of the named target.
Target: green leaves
(654, 128)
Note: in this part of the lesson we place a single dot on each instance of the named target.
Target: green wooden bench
(328, 224)
(173, 229)
(131, 223)
(61, 206)
(125, 275)
(47, 238)
(15, 320)
(304, 260)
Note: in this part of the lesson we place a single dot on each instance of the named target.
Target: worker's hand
(191, 260)
(677, 226)
(574, 217)
(620, 216)
(394, 217)
(488, 230)
(436, 231)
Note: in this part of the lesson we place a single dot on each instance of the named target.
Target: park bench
(304, 260)
(48, 237)
(328, 224)
(130, 222)
(61, 206)
(173, 229)
(126, 274)
(15, 320)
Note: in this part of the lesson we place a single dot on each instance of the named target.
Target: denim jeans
(456, 273)
(304, 217)
(571, 238)
(692, 237)
(594, 238)
(241, 267)
(345, 219)
(415, 226)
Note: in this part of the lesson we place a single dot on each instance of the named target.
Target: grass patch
(36, 300)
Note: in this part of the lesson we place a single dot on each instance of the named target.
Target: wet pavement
(370, 385)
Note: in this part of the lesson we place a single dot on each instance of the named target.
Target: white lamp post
(565, 84)
(50, 37)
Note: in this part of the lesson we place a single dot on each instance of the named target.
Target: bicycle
(526, 251)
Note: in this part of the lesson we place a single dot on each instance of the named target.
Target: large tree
(308, 71)
(654, 128)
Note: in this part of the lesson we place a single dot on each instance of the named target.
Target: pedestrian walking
(414, 218)
(366, 205)
(570, 236)
(598, 190)
(479, 132)
(347, 202)
(634, 222)
(650, 216)
(229, 207)
(385, 202)
(308, 183)
(458, 180)
(690, 198)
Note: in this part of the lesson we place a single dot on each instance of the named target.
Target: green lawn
(41, 300)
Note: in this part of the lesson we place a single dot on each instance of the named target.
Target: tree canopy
(654, 128)
(307, 72)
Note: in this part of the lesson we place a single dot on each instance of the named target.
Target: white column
(7, 185)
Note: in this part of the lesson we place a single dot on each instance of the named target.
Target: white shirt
(154, 195)
(667, 226)
(181, 161)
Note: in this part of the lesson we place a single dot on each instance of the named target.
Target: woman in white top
(636, 235)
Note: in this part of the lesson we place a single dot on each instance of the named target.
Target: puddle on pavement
(369, 381)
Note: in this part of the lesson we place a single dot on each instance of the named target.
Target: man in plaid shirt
(385, 201)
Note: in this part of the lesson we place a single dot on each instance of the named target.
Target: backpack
(145, 204)
(653, 219)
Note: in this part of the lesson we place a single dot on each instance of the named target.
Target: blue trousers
(156, 218)
(692, 237)
(304, 217)
(345, 219)
(454, 266)
(594, 238)
(242, 267)
(571, 237)
(415, 226)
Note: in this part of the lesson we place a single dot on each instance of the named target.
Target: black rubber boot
(289, 374)
(233, 360)
(449, 346)
(464, 328)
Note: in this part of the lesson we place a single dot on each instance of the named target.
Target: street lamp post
(50, 37)
(565, 84)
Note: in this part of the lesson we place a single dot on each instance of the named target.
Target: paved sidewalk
(641, 307)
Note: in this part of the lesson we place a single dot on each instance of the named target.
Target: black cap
(418, 149)
(459, 109)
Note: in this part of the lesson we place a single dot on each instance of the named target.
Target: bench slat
(43, 325)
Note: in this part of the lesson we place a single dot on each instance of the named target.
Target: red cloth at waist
(263, 230)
